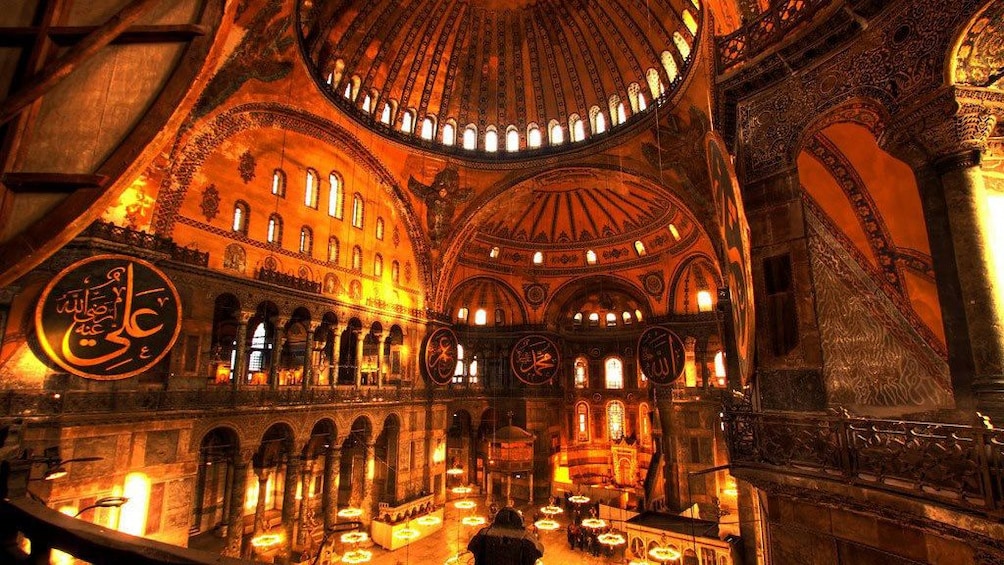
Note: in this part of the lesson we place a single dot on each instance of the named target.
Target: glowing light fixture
(594, 523)
(473, 520)
(265, 541)
(551, 510)
(357, 556)
(465, 504)
(611, 539)
(428, 520)
(546, 524)
(350, 512)
(578, 499)
(461, 490)
(132, 519)
(664, 554)
(455, 471)
(354, 537)
(407, 534)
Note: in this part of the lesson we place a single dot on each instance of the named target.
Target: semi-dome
(504, 77)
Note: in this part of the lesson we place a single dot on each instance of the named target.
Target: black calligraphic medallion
(535, 360)
(440, 356)
(108, 317)
(661, 354)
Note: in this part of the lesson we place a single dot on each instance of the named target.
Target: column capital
(948, 129)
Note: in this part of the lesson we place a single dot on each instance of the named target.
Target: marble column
(308, 357)
(289, 499)
(306, 478)
(240, 351)
(329, 494)
(235, 517)
(381, 338)
(360, 337)
(367, 502)
(336, 354)
(259, 511)
(278, 342)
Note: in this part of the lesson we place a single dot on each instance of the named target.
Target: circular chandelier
(266, 540)
(455, 471)
(664, 554)
(428, 520)
(546, 524)
(465, 504)
(357, 556)
(594, 523)
(578, 499)
(354, 537)
(407, 534)
(461, 490)
(473, 520)
(611, 539)
(551, 510)
(350, 512)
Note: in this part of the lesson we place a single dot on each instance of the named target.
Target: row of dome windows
(311, 197)
(591, 259)
(534, 135)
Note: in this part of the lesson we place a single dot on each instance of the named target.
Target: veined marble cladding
(872, 355)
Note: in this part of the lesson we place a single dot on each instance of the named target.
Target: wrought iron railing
(956, 465)
(765, 31)
(47, 403)
(143, 240)
(289, 281)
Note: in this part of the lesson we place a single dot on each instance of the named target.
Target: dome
(506, 77)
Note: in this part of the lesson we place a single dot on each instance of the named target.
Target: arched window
(367, 103)
(428, 128)
(576, 128)
(611, 319)
(274, 234)
(499, 317)
(449, 134)
(462, 314)
(395, 272)
(241, 213)
(696, 3)
(387, 115)
(615, 420)
(690, 22)
(639, 248)
(333, 250)
(357, 210)
(704, 301)
(581, 369)
(480, 317)
(379, 229)
(644, 424)
(538, 258)
(533, 137)
(357, 258)
(378, 265)
(310, 189)
(512, 139)
(471, 137)
(681, 45)
(591, 257)
(408, 121)
(633, 91)
(306, 240)
(256, 359)
(336, 199)
(655, 83)
(577, 319)
(627, 317)
(594, 319)
(613, 373)
(336, 73)
(494, 253)
(279, 183)
(617, 115)
(669, 64)
(720, 374)
(597, 120)
(556, 133)
(491, 140)
(582, 422)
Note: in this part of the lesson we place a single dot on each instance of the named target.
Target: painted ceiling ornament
(439, 356)
(535, 293)
(246, 166)
(441, 199)
(653, 283)
(108, 317)
(210, 202)
(535, 359)
(661, 355)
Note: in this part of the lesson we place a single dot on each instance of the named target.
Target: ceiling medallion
(535, 294)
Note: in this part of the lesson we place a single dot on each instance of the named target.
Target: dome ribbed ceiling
(497, 63)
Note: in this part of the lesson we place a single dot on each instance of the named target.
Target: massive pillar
(336, 354)
(308, 357)
(381, 338)
(367, 503)
(329, 494)
(943, 138)
(289, 499)
(235, 517)
(306, 478)
(259, 511)
(240, 354)
(360, 337)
